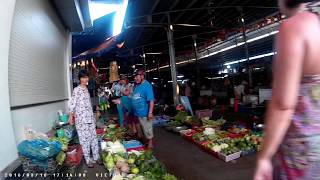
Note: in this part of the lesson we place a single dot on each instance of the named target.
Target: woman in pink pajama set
(80, 108)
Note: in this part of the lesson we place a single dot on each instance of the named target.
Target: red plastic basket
(100, 131)
(232, 135)
(75, 158)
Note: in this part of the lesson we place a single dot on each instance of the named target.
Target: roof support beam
(182, 13)
(196, 13)
(174, 4)
(150, 12)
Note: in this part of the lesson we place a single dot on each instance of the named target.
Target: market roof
(211, 17)
(207, 20)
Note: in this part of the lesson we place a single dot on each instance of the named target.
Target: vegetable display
(135, 166)
(227, 145)
(211, 123)
(114, 133)
(181, 116)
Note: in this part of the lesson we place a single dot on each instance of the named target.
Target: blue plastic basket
(61, 133)
(132, 144)
(160, 121)
(64, 118)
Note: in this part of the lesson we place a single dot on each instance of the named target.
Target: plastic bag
(32, 134)
(39, 149)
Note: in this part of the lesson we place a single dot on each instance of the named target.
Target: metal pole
(247, 51)
(197, 63)
(173, 64)
(158, 68)
(144, 64)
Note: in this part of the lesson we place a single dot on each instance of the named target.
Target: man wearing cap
(143, 103)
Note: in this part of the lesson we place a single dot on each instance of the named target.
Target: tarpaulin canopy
(103, 48)
(95, 40)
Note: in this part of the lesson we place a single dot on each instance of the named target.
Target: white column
(68, 61)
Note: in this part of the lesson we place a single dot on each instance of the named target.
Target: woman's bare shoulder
(301, 22)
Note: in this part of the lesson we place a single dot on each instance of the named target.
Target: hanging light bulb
(178, 90)
(171, 27)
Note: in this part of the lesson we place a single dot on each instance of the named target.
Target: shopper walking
(130, 119)
(293, 117)
(81, 114)
(143, 104)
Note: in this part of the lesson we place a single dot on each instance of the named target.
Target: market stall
(127, 158)
(57, 151)
(221, 138)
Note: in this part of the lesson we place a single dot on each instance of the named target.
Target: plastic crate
(142, 148)
(188, 132)
(35, 166)
(132, 144)
(230, 157)
(74, 155)
(159, 121)
(204, 113)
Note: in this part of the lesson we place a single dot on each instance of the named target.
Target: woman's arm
(287, 76)
(72, 106)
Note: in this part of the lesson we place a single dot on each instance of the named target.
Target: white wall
(8, 151)
(38, 46)
(39, 117)
(47, 59)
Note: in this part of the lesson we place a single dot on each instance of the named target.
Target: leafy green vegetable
(181, 116)
(61, 157)
(114, 133)
(63, 140)
(169, 177)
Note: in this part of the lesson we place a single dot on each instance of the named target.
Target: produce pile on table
(134, 165)
(220, 143)
(211, 136)
(113, 133)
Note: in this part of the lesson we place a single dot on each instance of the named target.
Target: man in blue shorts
(143, 104)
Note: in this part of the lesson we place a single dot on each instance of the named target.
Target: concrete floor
(189, 162)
